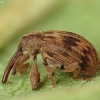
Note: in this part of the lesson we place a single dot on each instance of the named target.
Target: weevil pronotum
(59, 49)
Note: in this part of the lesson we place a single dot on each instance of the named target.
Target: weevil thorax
(31, 42)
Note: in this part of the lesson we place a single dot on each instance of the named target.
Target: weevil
(59, 49)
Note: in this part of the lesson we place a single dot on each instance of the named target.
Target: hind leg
(74, 67)
(19, 66)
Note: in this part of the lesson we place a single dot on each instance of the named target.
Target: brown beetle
(66, 50)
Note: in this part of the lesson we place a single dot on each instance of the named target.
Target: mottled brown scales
(66, 50)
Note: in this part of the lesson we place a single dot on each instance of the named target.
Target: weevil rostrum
(65, 50)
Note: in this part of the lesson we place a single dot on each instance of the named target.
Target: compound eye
(62, 67)
(20, 48)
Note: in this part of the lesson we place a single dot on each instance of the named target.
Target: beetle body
(66, 50)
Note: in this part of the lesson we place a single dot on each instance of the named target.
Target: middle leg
(50, 74)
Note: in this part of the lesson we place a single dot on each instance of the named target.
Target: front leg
(19, 66)
(34, 75)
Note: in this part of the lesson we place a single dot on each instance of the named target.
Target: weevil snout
(11, 63)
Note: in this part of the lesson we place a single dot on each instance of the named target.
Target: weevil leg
(50, 74)
(85, 79)
(76, 73)
(74, 67)
(34, 75)
(22, 68)
(19, 66)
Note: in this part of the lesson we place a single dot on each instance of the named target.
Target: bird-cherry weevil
(65, 50)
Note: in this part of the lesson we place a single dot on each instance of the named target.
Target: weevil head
(31, 42)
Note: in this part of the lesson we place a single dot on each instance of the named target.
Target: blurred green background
(19, 17)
